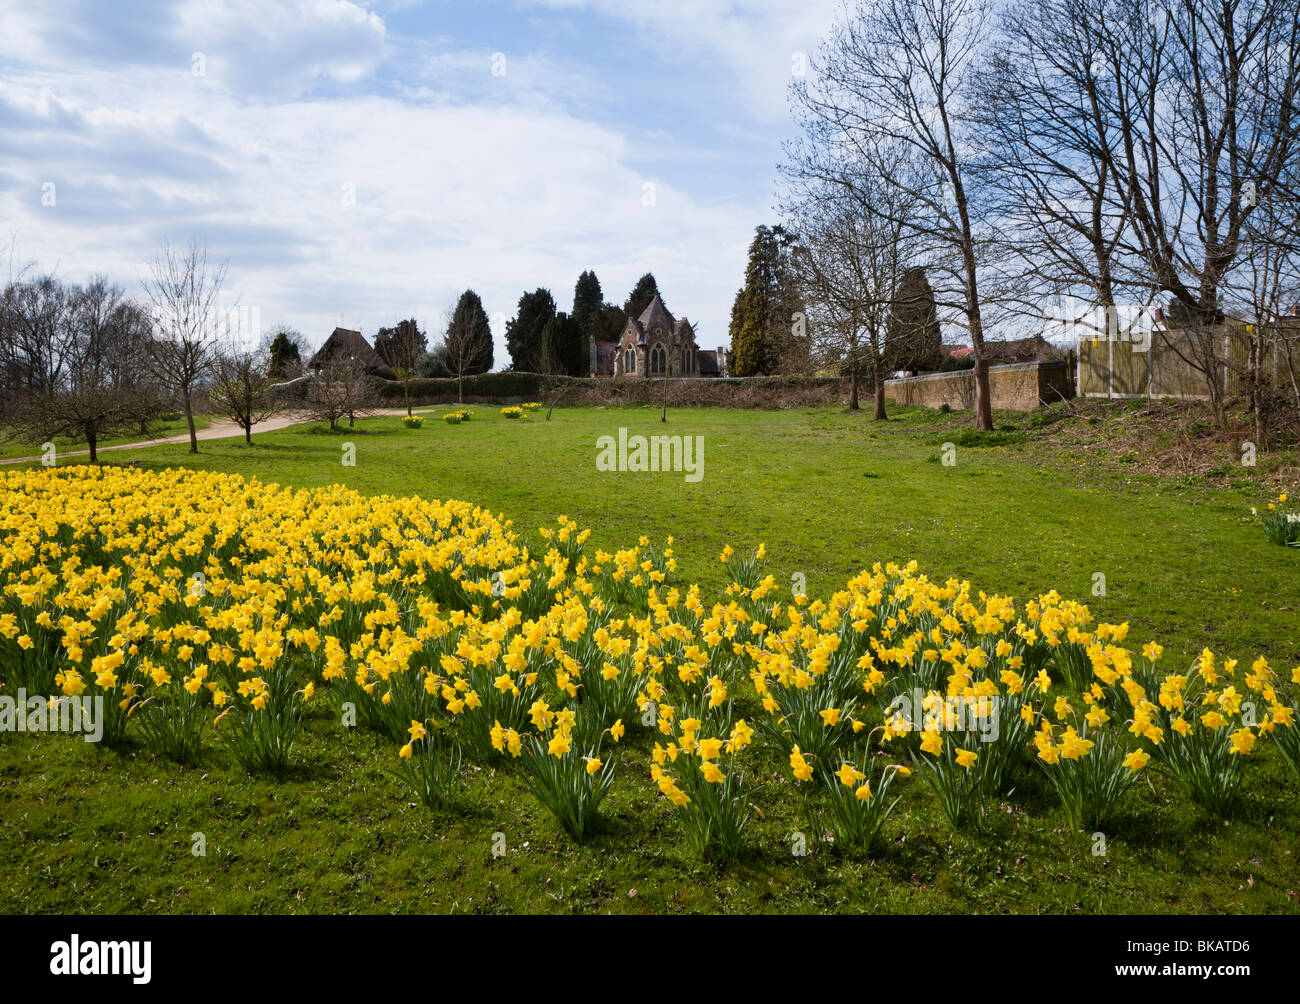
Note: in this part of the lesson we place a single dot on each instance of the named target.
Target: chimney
(1295, 310)
(722, 361)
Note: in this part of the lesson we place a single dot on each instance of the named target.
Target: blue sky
(359, 162)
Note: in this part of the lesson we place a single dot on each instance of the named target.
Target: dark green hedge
(507, 384)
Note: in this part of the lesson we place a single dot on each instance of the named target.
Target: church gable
(657, 344)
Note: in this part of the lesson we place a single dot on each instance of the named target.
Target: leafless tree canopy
(898, 74)
(852, 251)
(241, 387)
(182, 291)
(1106, 151)
(74, 362)
(340, 388)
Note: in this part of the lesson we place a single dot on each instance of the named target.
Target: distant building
(349, 344)
(656, 344)
(1014, 350)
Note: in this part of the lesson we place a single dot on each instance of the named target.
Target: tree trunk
(1257, 354)
(880, 415)
(853, 386)
(983, 403)
(248, 434)
(460, 389)
(189, 419)
(93, 442)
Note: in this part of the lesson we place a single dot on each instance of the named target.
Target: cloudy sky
(359, 162)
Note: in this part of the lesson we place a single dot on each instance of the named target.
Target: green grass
(829, 493)
(10, 448)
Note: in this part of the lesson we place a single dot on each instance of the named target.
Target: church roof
(655, 315)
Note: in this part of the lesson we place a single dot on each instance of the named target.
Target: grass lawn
(829, 493)
(157, 430)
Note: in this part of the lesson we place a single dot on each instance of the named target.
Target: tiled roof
(655, 315)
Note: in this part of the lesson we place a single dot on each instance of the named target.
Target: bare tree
(898, 72)
(1047, 131)
(460, 352)
(182, 291)
(1203, 97)
(851, 258)
(241, 387)
(340, 388)
(41, 333)
(1264, 289)
(96, 389)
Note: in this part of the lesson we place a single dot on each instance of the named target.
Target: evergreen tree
(746, 351)
(607, 325)
(402, 346)
(912, 337)
(646, 289)
(285, 357)
(588, 301)
(469, 337)
(762, 315)
(563, 347)
(524, 330)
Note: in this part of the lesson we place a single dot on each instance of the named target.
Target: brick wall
(1013, 387)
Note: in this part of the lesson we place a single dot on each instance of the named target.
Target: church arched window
(629, 361)
(658, 360)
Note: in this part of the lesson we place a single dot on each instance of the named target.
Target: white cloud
(498, 198)
(756, 42)
(483, 182)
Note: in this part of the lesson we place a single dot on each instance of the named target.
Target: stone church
(656, 344)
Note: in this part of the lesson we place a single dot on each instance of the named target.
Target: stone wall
(1013, 387)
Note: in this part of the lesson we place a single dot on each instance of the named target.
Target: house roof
(351, 344)
(1017, 349)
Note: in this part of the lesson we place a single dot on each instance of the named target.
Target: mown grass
(11, 447)
(829, 492)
